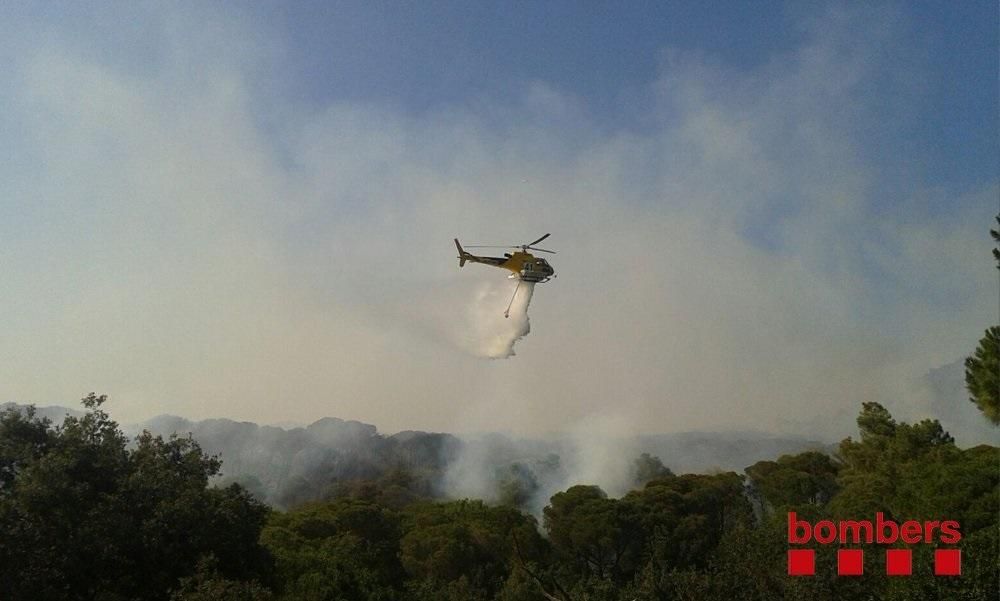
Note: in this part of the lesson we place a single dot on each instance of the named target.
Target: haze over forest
(287, 466)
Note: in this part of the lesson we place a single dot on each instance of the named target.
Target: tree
(208, 584)
(648, 467)
(345, 549)
(995, 234)
(871, 466)
(982, 375)
(982, 369)
(516, 485)
(85, 516)
(23, 439)
(806, 478)
(597, 537)
(684, 518)
(466, 550)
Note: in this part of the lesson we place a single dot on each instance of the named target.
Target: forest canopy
(88, 513)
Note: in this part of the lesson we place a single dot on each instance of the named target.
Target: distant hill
(287, 467)
(290, 466)
(698, 452)
(54, 413)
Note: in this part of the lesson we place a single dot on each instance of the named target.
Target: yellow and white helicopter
(524, 266)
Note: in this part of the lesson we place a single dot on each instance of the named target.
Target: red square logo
(801, 562)
(947, 562)
(850, 562)
(898, 562)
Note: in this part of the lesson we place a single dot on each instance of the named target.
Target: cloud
(190, 241)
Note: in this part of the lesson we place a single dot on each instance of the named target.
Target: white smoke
(598, 450)
(490, 333)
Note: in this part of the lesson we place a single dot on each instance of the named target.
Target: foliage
(208, 584)
(85, 516)
(995, 234)
(648, 467)
(516, 485)
(595, 537)
(347, 549)
(982, 369)
(467, 549)
(982, 375)
(792, 480)
(902, 469)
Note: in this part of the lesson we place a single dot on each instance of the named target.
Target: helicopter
(524, 266)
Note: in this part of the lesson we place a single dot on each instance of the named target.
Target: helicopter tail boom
(462, 255)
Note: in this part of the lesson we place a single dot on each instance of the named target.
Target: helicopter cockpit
(536, 270)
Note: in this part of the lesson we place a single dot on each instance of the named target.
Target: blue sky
(445, 53)
(429, 56)
(766, 212)
(442, 54)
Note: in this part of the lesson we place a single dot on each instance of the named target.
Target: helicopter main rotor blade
(523, 247)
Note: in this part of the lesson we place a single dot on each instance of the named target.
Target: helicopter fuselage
(522, 265)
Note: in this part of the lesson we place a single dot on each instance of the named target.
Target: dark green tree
(982, 369)
(23, 439)
(995, 234)
(345, 549)
(597, 537)
(982, 375)
(468, 550)
(806, 478)
(648, 467)
(208, 584)
(872, 467)
(684, 518)
(84, 516)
